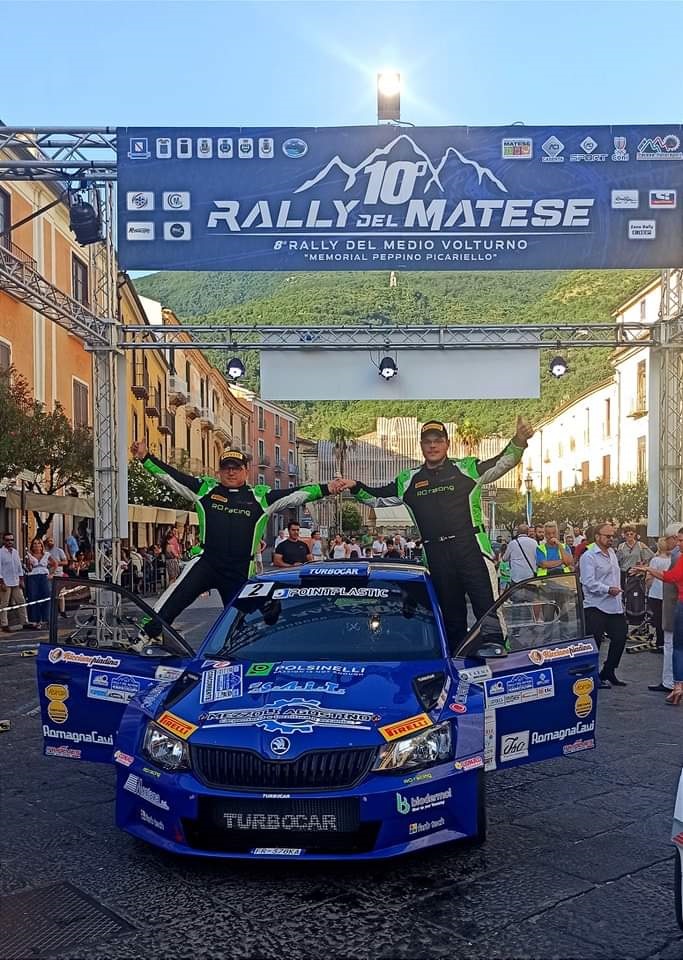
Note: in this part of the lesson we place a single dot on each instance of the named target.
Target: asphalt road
(578, 863)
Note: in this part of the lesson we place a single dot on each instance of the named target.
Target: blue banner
(386, 197)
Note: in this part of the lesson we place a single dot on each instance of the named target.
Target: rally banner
(387, 197)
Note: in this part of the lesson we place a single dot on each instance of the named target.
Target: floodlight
(84, 221)
(235, 368)
(558, 367)
(388, 96)
(388, 368)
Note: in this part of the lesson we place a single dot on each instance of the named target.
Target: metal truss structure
(88, 155)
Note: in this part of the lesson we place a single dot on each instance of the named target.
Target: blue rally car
(323, 716)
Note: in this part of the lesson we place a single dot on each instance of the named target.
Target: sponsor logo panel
(58, 655)
(425, 801)
(642, 229)
(663, 199)
(118, 687)
(124, 759)
(551, 654)
(624, 199)
(392, 731)
(57, 695)
(140, 200)
(221, 683)
(577, 746)
(140, 230)
(514, 746)
(519, 688)
(517, 148)
(136, 785)
(415, 829)
(68, 752)
(276, 851)
(667, 147)
(290, 716)
(181, 728)
(78, 736)
(175, 200)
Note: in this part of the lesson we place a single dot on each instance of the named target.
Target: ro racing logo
(400, 186)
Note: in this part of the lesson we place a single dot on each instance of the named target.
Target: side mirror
(489, 650)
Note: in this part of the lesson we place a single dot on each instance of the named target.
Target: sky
(99, 63)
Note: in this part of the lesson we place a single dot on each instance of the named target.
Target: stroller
(641, 630)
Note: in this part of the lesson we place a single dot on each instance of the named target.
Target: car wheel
(480, 836)
(678, 887)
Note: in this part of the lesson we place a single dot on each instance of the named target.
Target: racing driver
(444, 497)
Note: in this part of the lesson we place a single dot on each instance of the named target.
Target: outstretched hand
(139, 449)
(338, 485)
(523, 433)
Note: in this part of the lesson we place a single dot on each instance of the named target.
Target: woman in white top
(661, 561)
(316, 546)
(39, 569)
(339, 549)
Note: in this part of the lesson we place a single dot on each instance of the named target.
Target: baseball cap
(233, 456)
(433, 426)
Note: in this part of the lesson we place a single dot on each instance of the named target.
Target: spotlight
(558, 367)
(235, 368)
(388, 96)
(388, 368)
(84, 221)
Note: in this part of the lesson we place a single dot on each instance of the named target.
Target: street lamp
(388, 96)
(529, 484)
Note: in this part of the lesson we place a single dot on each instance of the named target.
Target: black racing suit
(232, 521)
(445, 502)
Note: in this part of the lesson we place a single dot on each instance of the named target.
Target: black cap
(433, 426)
(233, 456)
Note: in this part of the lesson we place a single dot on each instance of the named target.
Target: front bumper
(385, 816)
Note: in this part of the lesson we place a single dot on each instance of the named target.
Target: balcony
(278, 466)
(192, 408)
(181, 459)
(222, 428)
(167, 422)
(140, 382)
(207, 418)
(638, 408)
(262, 459)
(178, 394)
(292, 470)
(153, 403)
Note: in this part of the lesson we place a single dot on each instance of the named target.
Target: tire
(678, 887)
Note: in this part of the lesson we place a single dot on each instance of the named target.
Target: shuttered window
(81, 416)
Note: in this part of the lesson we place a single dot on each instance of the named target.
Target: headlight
(164, 749)
(429, 746)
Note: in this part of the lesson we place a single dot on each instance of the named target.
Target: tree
(18, 408)
(342, 439)
(352, 521)
(593, 502)
(470, 434)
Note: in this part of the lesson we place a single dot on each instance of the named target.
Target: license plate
(286, 816)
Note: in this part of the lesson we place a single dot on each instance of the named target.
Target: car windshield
(385, 621)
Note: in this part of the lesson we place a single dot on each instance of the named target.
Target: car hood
(313, 705)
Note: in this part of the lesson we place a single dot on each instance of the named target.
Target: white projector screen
(489, 374)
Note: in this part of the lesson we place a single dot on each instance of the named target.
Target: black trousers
(460, 570)
(616, 628)
(655, 605)
(197, 577)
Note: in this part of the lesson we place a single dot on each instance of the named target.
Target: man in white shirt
(57, 555)
(521, 555)
(11, 584)
(379, 547)
(602, 601)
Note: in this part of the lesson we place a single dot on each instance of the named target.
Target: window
(277, 483)
(643, 309)
(292, 431)
(187, 373)
(244, 433)
(5, 355)
(585, 471)
(80, 404)
(261, 478)
(290, 458)
(559, 481)
(642, 458)
(277, 424)
(606, 468)
(277, 454)
(188, 432)
(608, 418)
(261, 419)
(5, 217)
(261, 451)
(79, 280)
(135, 426)
(291, 485)
(641, 386)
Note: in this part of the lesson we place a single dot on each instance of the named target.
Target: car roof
(338, 571)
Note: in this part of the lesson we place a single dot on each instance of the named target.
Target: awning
(164, 515)
(138, 513)
(391, 517)
(186, 516)
(50, 503)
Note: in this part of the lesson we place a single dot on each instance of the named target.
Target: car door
(88, 671)
(540, 676)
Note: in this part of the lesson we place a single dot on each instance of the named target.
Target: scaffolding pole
(666, 457)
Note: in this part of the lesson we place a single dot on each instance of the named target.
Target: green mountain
(263, 299)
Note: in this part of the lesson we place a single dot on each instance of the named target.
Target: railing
(263, 459)
(192, 408)
(166, 422)
(177, 390)
(153, 404)
(18, 253)
(222, 428)
(278, 466)
(292, 469)
(140, 382)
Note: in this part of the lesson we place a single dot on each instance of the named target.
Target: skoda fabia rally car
(323, 716)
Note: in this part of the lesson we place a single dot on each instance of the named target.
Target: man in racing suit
(444, 497)
(232, 519)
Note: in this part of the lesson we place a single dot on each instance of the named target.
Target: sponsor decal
(419, 777)
(289, 716)
(266, 148)
(552, 148)
(140, 200)
(221, 683)
(489, 738)
(519, 688)
(260, 669)
(276, 851)
(168, 673)
(443, 696)
(665, 199)
(461, 691)
(140, 230)
(588, 146)
(119, 687)
(245, 148)
(175, 200)
(280, 746)
(309, 822)
(69, 752)
(124, 759)
(295, 148)
(335, 572)
(204, 148)
(57, 709)
(575, 731)
(250, 590)
(624, 199)
(58, 655)
(151, 700)
(583, 687)
(660, 148)
(217, 496)
(476, 674)
(642, 229)
(294, 686)
(135, 784)
(457, 707)
(181, 728)
(471, 763)
(151, 821)
(392, 731)
(225, 148)
(151, 772)
(215, 664)
(415, 829)
(577, 746)
(276, 796)
(583, 706)
(77, 736)
(620, 154)
(317, 669)
(420, 484)
(177, 230)
(550, 654)
(517, 148)
(138, 148)
(427, 801)
(376, 592)
(514, 746)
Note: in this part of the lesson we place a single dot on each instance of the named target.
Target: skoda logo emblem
(280, 746)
